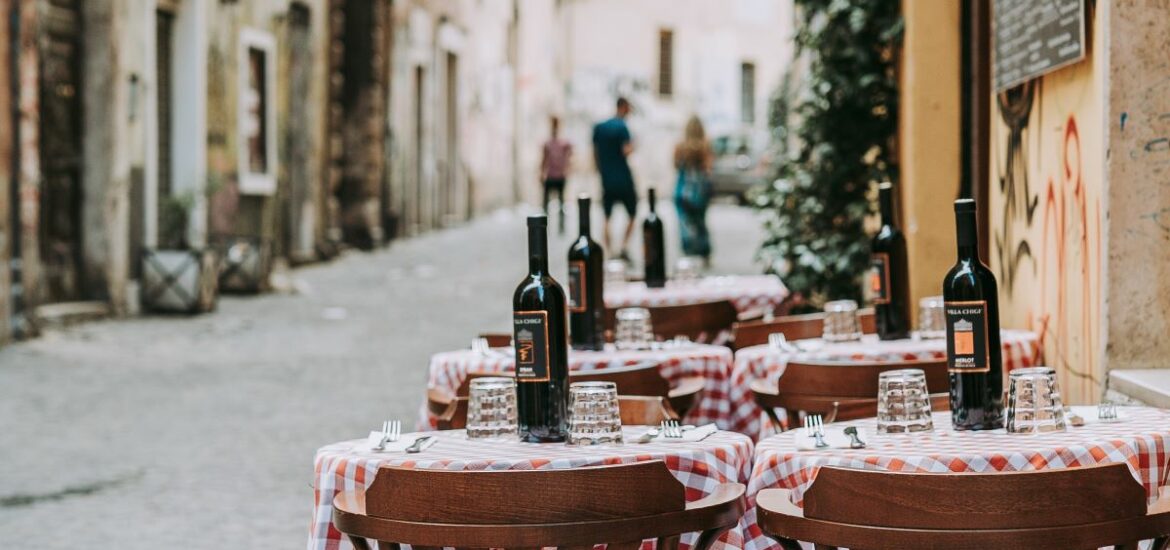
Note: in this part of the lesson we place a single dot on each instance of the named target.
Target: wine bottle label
(531, 341)
(967, 336)
(577, 287)
(879, 278)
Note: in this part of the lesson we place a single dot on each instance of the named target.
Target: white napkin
(692, 435)
(391, 446)
(834, 436)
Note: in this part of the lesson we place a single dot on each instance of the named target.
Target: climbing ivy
(835, 121)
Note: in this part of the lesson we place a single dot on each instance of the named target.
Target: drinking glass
(903, 402)
(594, 417)
(841, 322)
(632, 328)
(931, 318)
(491, 408)
(1034, 403)
(615, 273)
(688, 269)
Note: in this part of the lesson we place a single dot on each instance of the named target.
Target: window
(256, 119)
(747, 92)
(665, 62)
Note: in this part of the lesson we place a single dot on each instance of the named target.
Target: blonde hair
(694, 150)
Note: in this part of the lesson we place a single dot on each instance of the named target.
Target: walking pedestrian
(554, 170)
(692, 192)
(611, 148)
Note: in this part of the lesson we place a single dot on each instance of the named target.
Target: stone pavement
(199, 432)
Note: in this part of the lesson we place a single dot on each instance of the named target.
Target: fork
(814, 426)
(391, 430)
(672, 429)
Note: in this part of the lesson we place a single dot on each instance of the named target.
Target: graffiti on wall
(1048, 240)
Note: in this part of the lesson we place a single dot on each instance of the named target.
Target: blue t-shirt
(609, 141)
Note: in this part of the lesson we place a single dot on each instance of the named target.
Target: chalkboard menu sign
(1036, 37)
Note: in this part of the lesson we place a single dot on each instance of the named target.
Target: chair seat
(724, 506)
(783, 518)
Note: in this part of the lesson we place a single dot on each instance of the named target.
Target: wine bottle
(890, 278)
(654, 247)
(541, 342)
(974, 354)
(586, 276)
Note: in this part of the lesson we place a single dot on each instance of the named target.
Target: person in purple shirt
(554, 169)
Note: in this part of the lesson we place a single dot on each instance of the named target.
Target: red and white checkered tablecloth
(1020, 349)
(712, 363)
(1141, 440)
(701, 466)
(746, 292)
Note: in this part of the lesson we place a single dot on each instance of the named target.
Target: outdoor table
(746, 292)
(1020, 349)
(1141, 439)
(701, 466)
(676, 361)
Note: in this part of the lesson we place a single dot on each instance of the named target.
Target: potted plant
(176, 277)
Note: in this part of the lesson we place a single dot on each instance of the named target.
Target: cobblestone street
(200, 432)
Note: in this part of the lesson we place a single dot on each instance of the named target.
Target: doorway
(60, 231)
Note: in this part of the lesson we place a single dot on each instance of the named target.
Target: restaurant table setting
(768, 361)
(748, 293)
(1137, 436)
(677, 360)
(700, 461)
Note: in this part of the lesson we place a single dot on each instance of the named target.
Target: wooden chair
(635, 380)
(703, 322)
(842, 390)
(793, 327)
(497, 339)
(576, 508)
(1087, 507)
(636, 410)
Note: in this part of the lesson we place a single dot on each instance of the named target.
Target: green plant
(836, 119)
(174, 215)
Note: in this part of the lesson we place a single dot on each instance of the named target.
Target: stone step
(1149, 386)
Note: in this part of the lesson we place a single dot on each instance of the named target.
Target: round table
(746, 292)
(712, 363)
(1020, 349)
(701, 466)
(1141, 440)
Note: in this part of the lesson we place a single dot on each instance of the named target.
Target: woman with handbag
(692, 193)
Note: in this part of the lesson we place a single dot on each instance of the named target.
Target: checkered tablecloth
(1141, 440)
(712, 363)
(1020, 349)
(701, 466)
(746, 292)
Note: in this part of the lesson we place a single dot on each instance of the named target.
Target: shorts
(613, 194)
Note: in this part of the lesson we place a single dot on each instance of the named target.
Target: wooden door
(60, 231)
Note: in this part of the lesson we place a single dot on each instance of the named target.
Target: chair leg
(788, 544)
(708, 537)
(359, 543)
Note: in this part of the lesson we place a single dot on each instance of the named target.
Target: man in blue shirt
(611, 147)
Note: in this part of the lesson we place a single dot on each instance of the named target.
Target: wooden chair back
(701, 322)
(497, 339)
(580, 507)
(842, 390)
(1049, 508)
(793, 327)
(638, 379)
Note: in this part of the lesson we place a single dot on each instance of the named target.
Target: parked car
(739, 165)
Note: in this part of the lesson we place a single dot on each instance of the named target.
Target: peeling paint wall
(1138, 130)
